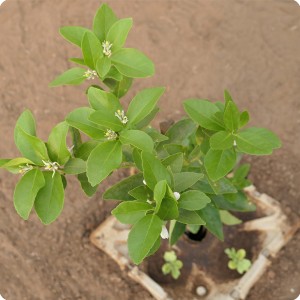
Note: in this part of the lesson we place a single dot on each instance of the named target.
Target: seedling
(238, 261)
(181, 175)
(172, 264)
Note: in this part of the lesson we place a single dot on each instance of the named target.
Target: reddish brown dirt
(199, 48)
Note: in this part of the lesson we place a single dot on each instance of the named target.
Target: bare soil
(199, 48)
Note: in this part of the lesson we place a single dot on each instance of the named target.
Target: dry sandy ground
(199, 48)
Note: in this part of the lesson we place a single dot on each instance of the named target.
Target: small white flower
(234, 143)
(176, 195)
(111, 135)
(51, 166)
(25, 169)
(149, 201)
(90, 74)
(107, 48)
(144, 182)
(121, 116)
(164, 232)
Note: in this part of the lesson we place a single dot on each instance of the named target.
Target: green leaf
(170, 256)
(100, 99)
(154, 171)
(118, 32)
(30, 146)
(173, 149)
(174, 161)
(79, 118)
(257, 141)
(221, 186)
(130, 212)
(86, 186)
(231, 116)
(79, 61)
(168, 209)
(176, 230)
(228, 219)
(184, 180)
(239, 179)
(13, 165)
(203, 112)
(143, 236)
(210, 214)
(73, 34)
(57, 146)
(132, 63)
(242, 172)
(138, 139)
(141, 193)
(219, 163)
(73, 76)
(193, 200)
(104, 159)
(103, 20)
(64, 181)
(159, 193)
(241, 253)
(26, 191)
(103, 66)
(145, 122)
(155, 135)
(137, 158)
(91, 49)
(166, 268)
(235, 202)
(155, 247)
(221, 140)
(75, 166)
(244, 118)
(106, 120)
(114, 75)
(75, 138)
(244, 266)
(120, 191)
(232, 265)
(122, 86)
(227, 96)
(50, 199)
(193, 228)
(85, 149)
(189, 217)
(175, 273)
(143, 104)
(180, 132)
(27, 122)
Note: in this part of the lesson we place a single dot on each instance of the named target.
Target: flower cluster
(107, 48)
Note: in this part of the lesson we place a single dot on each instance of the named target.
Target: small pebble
(201, 291)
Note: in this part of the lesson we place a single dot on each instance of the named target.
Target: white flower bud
(177, 195)
(164, 232)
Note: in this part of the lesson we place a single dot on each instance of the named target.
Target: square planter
(205, 274)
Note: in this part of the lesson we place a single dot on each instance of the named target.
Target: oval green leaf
(26, 191)
(104, 159)
(132, 63)
(143, 236)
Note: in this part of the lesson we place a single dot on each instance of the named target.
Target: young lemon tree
(181, 177)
